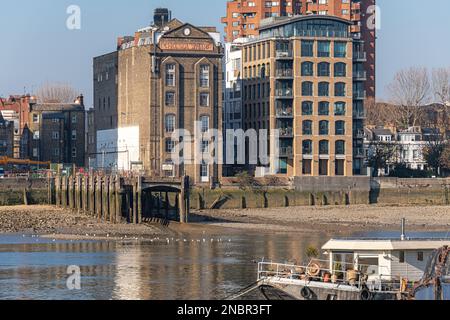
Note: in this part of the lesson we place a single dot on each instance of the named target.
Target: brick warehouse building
(169, 76)
(298, 78)
(57, 132)
(244, 17)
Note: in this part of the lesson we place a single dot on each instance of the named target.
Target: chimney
(161, 16)
(403, 236)
(80, 100)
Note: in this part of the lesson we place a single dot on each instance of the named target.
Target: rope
(244, 291)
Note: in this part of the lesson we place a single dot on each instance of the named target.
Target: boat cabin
(383, 259)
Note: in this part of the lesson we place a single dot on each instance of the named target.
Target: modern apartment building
(169, 77)
(298, 80)
(6, 138)
(232, 99)
(244, 18)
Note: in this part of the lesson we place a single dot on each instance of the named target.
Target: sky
(38, 48)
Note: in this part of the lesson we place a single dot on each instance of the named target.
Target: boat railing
(316, 271)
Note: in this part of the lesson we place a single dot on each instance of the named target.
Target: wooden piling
(98, 197)
(119, 199)
(139, 200)
(135, 202)
(105, 199)
(58, 191)
(70, 189)
(64, 192)
(91, 194)
(112, 200)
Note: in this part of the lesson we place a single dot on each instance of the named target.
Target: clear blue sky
(36, 47)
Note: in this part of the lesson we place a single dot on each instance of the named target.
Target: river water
(191, 266)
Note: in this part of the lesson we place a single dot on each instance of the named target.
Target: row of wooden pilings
(98, 196)
(109, 198)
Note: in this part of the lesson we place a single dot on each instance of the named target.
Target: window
(307, 108)
(340, 69)
(324, 108)
(339, 89)
(401, 257)
(307, 69)
(74, 119)
(204, 99)
(170, 99)
(420, 256)
(323, 127)
(339, 108)
(204, 76)
(323, 147)
(35, 118)
(55, 135)
(307, 147)
(323, 167)
(340, 128)
(324, 89)
(323, 48)
(56, 152)
(307, 127)
(36, 135)
(170, 75)
(74, 135)
(307, 88)
(204, 170)
(204, 123)
(339, 169)
(340, 148)
(307, 48)
(170, 146)
(340, 49)
(323, 69)
(170, 123)
(205, 146)
(74, 152)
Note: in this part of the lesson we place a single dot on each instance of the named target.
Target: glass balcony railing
(360, 75)
(281, 53)
(358, 134)
(284, 112)
(284, 92)
(359, 94)
(286, 132)
(286, 152)
(284, 73)
(358, 152)
(359, 114)
(359, 56)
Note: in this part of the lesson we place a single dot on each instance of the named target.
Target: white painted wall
(117, 148)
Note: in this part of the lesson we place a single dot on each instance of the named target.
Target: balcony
(359, 75)
(359, 114)
(358, 134)
(359, 95)
(284, 112)
(283, 54)
(284, 73)
(359, 56)
(286, 132)
(284, 93)
(358, 152)
(286, 152)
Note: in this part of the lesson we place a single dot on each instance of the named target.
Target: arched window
(307, 108)
(340, 128)
(307, 69)
(339, 108)
(307, 128)
(307, 147)
(340, 69)
(324, 108)
(324, 147)
(324, 128)
(324, 89)
(339, 89)
(323, 69)
(340, 148)
(307, 88)
(169, 123)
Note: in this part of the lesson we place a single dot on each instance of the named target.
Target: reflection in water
(191, 267)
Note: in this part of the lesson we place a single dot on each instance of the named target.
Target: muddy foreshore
(62, 224)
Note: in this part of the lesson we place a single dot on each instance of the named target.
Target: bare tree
(56, 93)
(441, 91)
(410, 91)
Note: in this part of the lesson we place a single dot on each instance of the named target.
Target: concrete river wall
(301, 191)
